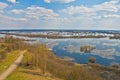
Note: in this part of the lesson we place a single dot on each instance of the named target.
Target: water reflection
(107, 50)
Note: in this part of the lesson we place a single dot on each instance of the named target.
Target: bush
(115, 66)
(92, 59)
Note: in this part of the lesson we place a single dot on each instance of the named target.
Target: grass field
(9, 59)
(27, 74)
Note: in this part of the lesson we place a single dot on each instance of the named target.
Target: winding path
(12, 67)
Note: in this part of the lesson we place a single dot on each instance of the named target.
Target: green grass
(28, 74)
(3, 47)
(9, 59)
(17, 75)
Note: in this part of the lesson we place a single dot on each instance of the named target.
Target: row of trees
(39, 56)
(56, 36)
(8, 44)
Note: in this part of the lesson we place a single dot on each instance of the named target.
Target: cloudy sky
(60, 14)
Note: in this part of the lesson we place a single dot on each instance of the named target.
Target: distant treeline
(53, 36)
(115, 36)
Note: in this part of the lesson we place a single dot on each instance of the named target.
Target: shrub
(115, 66)
(92, 59)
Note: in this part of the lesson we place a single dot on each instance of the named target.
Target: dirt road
(12, 67)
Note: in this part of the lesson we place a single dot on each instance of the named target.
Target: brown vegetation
(45, 60)
(38, 56)
(115, 66)
(92, 59)
(86, 48)
(54, 36)
(116, 36)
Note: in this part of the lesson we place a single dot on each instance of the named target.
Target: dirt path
(12, 67)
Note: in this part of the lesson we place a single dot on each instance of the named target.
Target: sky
(60, 14)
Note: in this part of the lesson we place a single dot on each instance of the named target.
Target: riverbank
(40, 57)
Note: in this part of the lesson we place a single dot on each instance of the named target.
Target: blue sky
(60, 14)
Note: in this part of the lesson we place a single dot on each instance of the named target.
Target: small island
(87, 48)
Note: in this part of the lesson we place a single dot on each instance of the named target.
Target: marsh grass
(9, 59)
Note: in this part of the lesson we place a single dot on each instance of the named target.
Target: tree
(44, 52)
(39, 59)
(28, 58)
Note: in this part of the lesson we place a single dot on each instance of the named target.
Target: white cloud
(74, 17)
(36, 12)
(112, 16)
(108, 23)
(47, 1)
(7, 22)
(61, 1)
(94, 17)
(39, 12)
(12, 1)
(2, 6)
(15, 11)
(111, 6)
(72, 10)
(12, 18)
